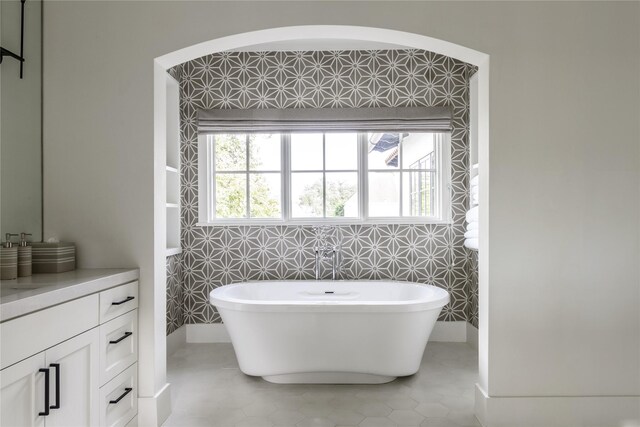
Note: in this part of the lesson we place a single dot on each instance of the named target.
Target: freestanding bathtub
(338, 332)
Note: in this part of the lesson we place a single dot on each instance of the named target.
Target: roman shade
(406, 119)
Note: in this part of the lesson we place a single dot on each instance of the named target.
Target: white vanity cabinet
(72, 365)
(21, 393)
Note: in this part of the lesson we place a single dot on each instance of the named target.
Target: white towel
(472, 214)
(475, 180)
(471, 244)
(474, 225)
(471, 234)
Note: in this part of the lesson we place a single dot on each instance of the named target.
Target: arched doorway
(318, 34)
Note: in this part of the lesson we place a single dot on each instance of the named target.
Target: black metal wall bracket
(6, 52)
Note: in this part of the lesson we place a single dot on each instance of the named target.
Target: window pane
(231, 195)
(384, 194)
(230, 152)
(264, 152)
(419, 193)
(383, 150)
(265, 195)
(418, 151)
(306, 151)
(341, 151)
(306, 195)
(342, 194)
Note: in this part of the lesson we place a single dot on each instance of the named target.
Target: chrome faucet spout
(334, 264)
(317, 263)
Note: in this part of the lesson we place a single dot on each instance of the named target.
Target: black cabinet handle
(126, 334)
(45, 371)
(126, 391)
(127, 299)
(57, 366)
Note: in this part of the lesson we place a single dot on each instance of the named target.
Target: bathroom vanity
(69, 349)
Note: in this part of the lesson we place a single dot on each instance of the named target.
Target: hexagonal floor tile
(432, 410)
(316, 422)
(286, 416)
(374, 409)
(406, 417)
(377, 422)
(258, 409)
(401, 403)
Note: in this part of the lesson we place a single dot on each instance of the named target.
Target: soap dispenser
(8, 259)
(24, 256)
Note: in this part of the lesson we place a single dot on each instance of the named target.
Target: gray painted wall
(21, 122)
(560, 74)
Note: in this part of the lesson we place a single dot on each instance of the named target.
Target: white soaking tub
(338, 332)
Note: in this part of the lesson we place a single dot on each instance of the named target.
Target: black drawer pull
(127, 299)
(57, 366)
(126, 391)
(45, 371)
(126, 334)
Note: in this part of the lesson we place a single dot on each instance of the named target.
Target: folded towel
(472, 214)
(475, 180)
(471, 234)
(471, 244)
(473, 225)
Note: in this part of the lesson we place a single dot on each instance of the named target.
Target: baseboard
(472, 335)
(176, 340)
(154, 411)
(217, 333)
(557, 411)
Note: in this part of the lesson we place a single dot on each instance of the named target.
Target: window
(324, 177)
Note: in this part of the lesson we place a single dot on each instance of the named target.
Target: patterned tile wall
(472, 292)
(175, 297)
(214, 256)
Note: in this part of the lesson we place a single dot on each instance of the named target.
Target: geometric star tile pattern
(214, 256)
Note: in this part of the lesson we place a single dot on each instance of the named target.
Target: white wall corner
(176, 340)
(154, 411)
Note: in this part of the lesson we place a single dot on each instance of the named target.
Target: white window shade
(405, 119)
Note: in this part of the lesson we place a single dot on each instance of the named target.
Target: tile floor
(208, 389)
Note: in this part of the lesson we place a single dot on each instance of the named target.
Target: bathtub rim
(441, 299)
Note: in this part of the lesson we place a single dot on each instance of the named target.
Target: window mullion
(363, 177)
(401, 166)
(247, 180)
(324, 176)
(285, 151)
(211, 174)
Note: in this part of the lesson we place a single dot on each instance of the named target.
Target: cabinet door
(74, 369)
(22, 393)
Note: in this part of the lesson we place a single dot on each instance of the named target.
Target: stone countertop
(28, 294)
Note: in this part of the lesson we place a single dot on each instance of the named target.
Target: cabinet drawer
(118, 345)
(119, 399)
(35, 332)
(117, 301)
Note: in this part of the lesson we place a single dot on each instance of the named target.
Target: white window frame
(206, 194)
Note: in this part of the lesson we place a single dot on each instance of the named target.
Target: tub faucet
(327, 252)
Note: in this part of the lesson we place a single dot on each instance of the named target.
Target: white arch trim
(156, 410)
(324, 32)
